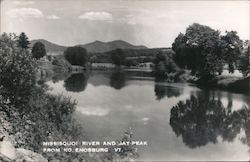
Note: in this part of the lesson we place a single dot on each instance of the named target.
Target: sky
(153, 23)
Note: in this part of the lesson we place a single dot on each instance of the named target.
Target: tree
(231, 49)
(118, 57)
(23, 41)
(179, 47)
(200, 50)
(164, 64)
(38, 50)
(131, 62)
(244, 60)
(76, 55)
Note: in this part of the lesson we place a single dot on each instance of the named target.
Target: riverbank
(229, 82)
(232, 84)
(56, 69)
(8, 150)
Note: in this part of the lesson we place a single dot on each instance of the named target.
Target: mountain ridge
(93, 47)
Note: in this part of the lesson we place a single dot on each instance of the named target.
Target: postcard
(124, 80)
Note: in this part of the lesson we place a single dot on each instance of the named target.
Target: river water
(178, 120)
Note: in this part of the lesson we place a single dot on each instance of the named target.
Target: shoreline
(231, 84)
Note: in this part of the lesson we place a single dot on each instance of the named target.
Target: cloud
(25, 13)
(97, 16)
(128, 19)
(23, 3)
(53, 17)
(93, 111)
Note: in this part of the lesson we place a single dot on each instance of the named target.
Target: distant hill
(51, 48)
(99, 47)
(94, 47)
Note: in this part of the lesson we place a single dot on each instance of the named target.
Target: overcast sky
(154, 23)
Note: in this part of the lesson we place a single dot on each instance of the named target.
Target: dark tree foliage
(205, 52)
(23, 41)
(131, 62)
(118, 57)
(76, 82)
(76, 55)
(231, 49)
(38, 50)
(179, 47)
(164, 64)
(203, 117)
(199, 50)
(244, 61)
(17, 71)
(29, 114)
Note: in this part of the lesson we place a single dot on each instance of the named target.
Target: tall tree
(231, 47)
(38, 50)
(23, 41)
(118, 57)
(200, 50)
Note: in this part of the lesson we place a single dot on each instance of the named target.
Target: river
(178, 120)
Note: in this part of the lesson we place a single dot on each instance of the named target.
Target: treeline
(127, 57)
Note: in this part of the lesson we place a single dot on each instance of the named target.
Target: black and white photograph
(124, 80)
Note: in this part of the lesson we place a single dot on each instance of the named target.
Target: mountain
(99, 47)
(94, 47)
(51, 48)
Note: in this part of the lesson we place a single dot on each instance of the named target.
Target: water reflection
(43, 117)
(206, 117)
(248, 133)
(203, 118)
(76, 82)
(118, 79)
(162, 91)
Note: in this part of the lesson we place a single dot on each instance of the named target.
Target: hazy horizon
(143, 22)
